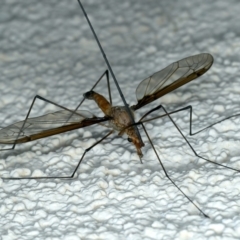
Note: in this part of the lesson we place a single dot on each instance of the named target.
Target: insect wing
(47, 125)
(172, 77)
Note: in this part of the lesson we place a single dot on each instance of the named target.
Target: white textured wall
(46, 48)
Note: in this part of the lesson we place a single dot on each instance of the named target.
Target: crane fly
(119, 118)
(150, 89)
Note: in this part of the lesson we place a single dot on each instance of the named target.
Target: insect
(150, 89)
(121, 118)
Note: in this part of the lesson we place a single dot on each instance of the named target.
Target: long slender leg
(29, 111)
(60, 106)
(190, 118)
(108, 84)
(74, 111)
(76, 168)
(112, 74)
(149, 139)
(24, 122)
(168, 115)
(109, 91)
(96, 143)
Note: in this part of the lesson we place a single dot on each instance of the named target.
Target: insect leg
(88, 149)
(205, 215)
(188, 107)
(112, 73)
(51, 102)
(109, 91)
(76, 168)
(108, 84)
(190, 118)
(24, 122)
(27, 116)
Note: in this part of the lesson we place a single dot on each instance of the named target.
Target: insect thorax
(121, 119)
(122, 122)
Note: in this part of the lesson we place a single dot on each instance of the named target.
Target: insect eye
(88, 95)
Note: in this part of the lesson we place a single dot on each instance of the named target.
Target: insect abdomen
(101, 101)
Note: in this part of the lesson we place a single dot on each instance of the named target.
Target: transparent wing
(172, 77)
(47, 125)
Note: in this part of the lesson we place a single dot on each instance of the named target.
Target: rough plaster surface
(46, 48)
